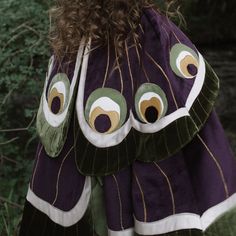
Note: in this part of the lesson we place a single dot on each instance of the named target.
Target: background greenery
(24, 54)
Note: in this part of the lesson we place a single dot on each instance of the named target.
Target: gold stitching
(170, 187)
(217, 164)
(165, 75)
(36, 166)
(143, 199)
(130, 72)
(119, 196)
(108, 63)
(59, 173)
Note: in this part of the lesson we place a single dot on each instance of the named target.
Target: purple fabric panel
(160, 37)
(205, 175)
(158, 50)
(130, 75)
(71, 182)
(96, 73)
(166, 189)
(117, 217)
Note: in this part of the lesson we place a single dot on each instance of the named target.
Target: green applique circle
(105, 110)
(54, 113)
(150, 103)
(59, 91)
(184, 61)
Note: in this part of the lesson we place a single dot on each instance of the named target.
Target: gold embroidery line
(108, 63)
(202, 106)
(145, 73)
(119, 196)
(36, 166)
(143, 199)
(141, 27)
(130, 72)
(176, 36)
(169, 185)
(167, 37)
(196, 114)
(121, 79)
(165, 31)
(217, 164)
(136, 49)
(59, 173)
(165, 75)
(211, 102)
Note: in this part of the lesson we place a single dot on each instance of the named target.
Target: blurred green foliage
(24, 54)
(23, 58)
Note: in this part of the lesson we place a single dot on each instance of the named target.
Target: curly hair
(100, 20)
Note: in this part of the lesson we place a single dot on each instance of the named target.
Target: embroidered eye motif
(105, 110)
(184, 61)
(150, 103)
(58, 93)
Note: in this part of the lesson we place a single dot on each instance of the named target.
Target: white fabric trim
(126, 232)
(107, 104)
(160, 124)
(185, 220)
(198, 84)
(63, 218)
(169, 224)
(112, 139)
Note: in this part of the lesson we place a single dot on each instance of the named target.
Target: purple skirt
(192, 192)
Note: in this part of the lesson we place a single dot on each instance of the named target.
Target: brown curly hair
(100, 20)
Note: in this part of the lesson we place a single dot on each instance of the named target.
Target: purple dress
(132, 146)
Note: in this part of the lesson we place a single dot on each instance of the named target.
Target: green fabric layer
(224, 225)
(95, 161)
(95, 214)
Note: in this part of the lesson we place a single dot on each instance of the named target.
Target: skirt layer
(190, 193)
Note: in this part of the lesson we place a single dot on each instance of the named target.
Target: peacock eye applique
(58, 93)
(54, 113)
(184, 61)
(105, 110)
(150, 103)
